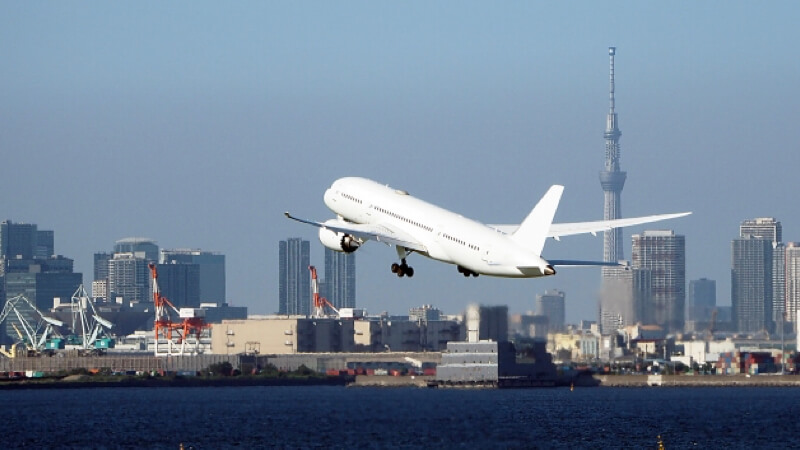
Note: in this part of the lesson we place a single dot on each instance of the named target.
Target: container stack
(759, 362)
(729, 363)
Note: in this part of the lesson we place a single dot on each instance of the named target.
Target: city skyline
(185, 125)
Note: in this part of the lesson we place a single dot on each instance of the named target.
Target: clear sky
(198, 124)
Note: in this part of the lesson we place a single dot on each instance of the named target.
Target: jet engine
(340, 242)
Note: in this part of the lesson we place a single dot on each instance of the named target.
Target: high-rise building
(100, 281)
(778, 282)
(340, 278)
(129, 278)
(702, 300)
(664, 254)
(751, 284)
(294, 279)
(758, 275)
(17, 240)
(612, 179)
(551, 304)
(124, 273)
(792, 268)
(211, 275)
(624, 294)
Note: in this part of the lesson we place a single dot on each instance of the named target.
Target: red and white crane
(318, 302)
(191, 323)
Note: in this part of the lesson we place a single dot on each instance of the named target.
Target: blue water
(338, 417)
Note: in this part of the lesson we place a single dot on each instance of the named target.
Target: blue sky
(198, 123)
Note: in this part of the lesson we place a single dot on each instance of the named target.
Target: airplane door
(487, 255)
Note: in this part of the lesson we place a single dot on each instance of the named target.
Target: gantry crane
(191, 323)
(318, 302)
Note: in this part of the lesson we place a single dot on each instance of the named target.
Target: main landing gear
(466, 272)
(403, 269)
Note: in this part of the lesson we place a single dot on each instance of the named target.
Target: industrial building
(303, 334)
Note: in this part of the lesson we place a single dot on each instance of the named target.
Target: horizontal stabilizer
(574, 262)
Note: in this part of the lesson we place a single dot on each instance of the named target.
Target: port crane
(191, 323)
(21, 313)
(87, 322)
(319, 302)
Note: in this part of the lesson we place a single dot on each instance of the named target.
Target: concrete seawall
(390, 381)
(631, 381)
(697, 380)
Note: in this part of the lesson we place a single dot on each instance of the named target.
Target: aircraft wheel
(395, 267)
(410, 272)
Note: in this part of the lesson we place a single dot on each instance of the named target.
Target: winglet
(533, 231)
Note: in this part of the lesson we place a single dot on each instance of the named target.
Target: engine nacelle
(340, 242)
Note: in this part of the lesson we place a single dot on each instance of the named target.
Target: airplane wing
(375, 232)
(567, 229)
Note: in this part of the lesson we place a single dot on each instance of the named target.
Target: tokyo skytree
(612, 179)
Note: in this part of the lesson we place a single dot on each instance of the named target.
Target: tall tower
(612, 179)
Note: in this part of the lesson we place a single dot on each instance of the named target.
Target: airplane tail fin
(533, 231)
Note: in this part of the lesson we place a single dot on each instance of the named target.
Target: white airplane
(367, 210)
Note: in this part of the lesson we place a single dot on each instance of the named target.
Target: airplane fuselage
(445, 235)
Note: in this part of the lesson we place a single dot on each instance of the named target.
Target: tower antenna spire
(611, 52)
